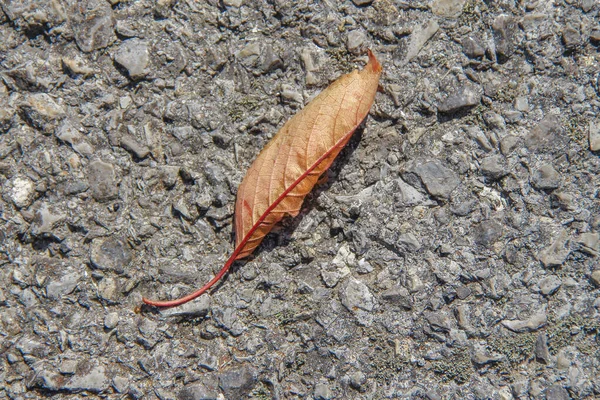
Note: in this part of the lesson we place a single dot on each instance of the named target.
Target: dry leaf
(289, 166)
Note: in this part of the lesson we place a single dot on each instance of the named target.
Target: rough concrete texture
(451, 254)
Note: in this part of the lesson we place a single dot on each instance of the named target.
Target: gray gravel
(452, 253)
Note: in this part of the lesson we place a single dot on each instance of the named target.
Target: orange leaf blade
(289, 166)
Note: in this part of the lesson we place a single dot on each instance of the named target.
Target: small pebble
(419, 36)
(483, 356)
(68, 367)
(549, 285)
(364, 267)
(488, 232)
(494, 167)
(556, 254)
(133, 55)
(42, 112)
(233, 3)
(557, 392)
(571, 37)
(534, 323)
(407, 242)
(120, 384)
(194, 309)
(438, 321)
(355, 41)
(110, 254)
(472, 48)
(108, 289)
(103, 181)
(465, 96)
(21, 192)
(169, 175)
(594, 135)
(147, 327)
(542, 353)
(94, 379)
(69, 133)
(111, 320)
(44, 221)
(494, 121)
(6, 117)
(587, 5)
(565, 200)
(545, 135)
(504, 29)
(131, 144)
(125, 102)
(479, 136)
(95, 29)
(590, 243)
(271, 60)
(322, 391)
(250, 53)
(356, 295)
(237, 382)
(513, 116)
(595, 277)
(125, 29)
(508, 144)
(521, 104)
(438, 179)
(288, 93)
(398, 295)
(77, 66)
(447, 8)
(463, 291)
(357, 380)
(546, 178)
(64, 285)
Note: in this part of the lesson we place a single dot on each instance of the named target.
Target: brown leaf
(288, 167)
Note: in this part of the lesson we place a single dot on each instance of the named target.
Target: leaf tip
(373, 62)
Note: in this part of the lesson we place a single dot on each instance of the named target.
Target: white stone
(22, 192)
